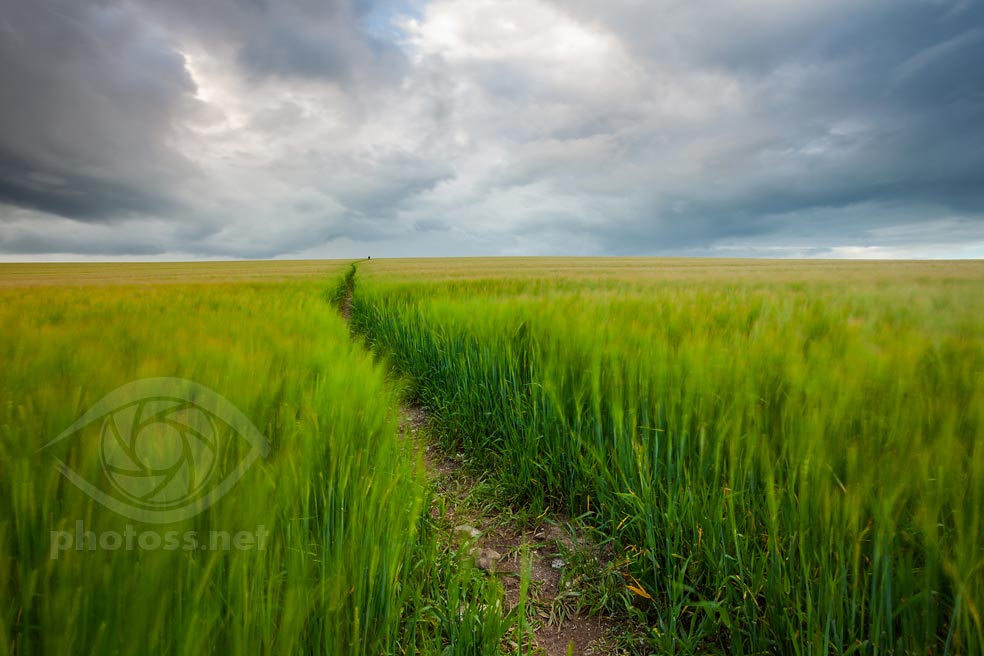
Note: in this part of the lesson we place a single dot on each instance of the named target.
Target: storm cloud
(306, 128)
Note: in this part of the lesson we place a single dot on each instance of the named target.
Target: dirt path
(346, 305)
(557, 628)
(498, 542)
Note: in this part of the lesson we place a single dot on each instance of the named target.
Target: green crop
(788, 456)
(785, 457)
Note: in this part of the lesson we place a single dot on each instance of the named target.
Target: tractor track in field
(498, 542)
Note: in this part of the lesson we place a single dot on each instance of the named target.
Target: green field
(786, 455)
(346, 565)
(780, 457)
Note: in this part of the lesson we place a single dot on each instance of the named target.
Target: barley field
(786, 456)
(320, 547)
(776, 456)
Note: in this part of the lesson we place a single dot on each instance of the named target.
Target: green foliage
(350, 564)
(787, 465)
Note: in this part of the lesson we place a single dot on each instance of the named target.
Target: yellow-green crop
(321, 546)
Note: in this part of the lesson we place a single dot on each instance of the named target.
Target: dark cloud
(56, 188)
(88, 98)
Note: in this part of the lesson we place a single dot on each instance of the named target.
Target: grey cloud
(906, 74)
(32, 232)
(88, 97)
(303, 45)
(27, 182)
(724, 124)
(321, 39)
(95, 96)
(374, 187)
(41, 243)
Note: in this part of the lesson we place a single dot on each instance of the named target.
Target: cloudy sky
(177, 129)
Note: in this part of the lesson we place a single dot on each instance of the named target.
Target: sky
(218, 129)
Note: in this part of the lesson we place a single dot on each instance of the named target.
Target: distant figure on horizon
(369, 258)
